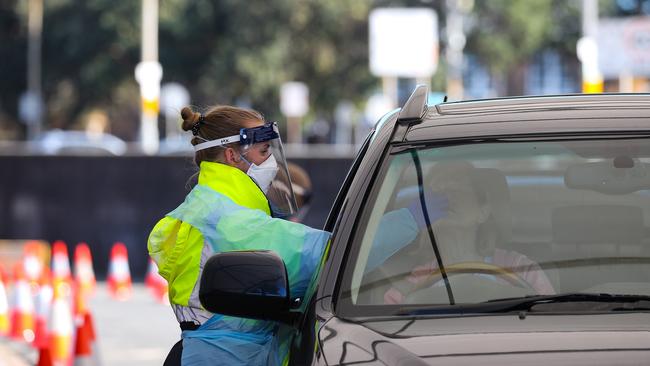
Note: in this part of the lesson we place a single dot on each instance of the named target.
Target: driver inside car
(465, 231)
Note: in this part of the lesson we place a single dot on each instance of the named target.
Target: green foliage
(13, 59)
(507, 34)
(509, 31)
(89, 49)
(228, 52)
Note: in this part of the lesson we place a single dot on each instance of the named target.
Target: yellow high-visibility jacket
(227, 211)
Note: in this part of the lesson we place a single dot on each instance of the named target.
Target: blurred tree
(227, 52)
(506, 34)
(224, 51)
(13, 63)
(90, 48)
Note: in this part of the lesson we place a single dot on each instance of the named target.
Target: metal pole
(35, 31)
(592, 79)
(389, 88)
(294, 130)
(589, 18)
(149, 73)
(150, 30)
(454, 52)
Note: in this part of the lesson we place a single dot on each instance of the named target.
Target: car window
(507, 219)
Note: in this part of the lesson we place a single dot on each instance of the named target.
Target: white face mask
(264, 173)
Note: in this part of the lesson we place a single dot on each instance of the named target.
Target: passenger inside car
(466, 238)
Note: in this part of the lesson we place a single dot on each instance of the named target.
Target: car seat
(591, 244)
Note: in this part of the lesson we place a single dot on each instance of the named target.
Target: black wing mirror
(248, 284)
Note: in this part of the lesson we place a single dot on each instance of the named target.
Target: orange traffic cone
(44, 357)
(61, 325)
(156, 283)
(84, 274)
(43, 308)
(83, 350)
(60, 262)
(22, 317)
(4, 308)
(33, 255)
(119, 275)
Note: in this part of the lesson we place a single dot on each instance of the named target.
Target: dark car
(497, 232)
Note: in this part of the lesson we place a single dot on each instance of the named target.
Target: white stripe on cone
(4, 309)
(23, 314)
(119, 276)
(61, 325)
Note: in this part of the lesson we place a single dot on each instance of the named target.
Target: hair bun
(189, 118)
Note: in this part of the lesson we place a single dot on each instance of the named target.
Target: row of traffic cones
(119, 275)
(50, 306)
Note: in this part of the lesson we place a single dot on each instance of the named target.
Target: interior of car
(561, 217)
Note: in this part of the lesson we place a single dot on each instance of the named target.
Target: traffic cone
(156, 283)
(60, 262)
(43, 308)
(83, 350)
(22, 315)
(85, 330)
(119, 275)
(4, 308)
(84, 274)
(61, 325)
(33, 260)
(44, 357)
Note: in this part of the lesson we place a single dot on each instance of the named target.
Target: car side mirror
(248, 284)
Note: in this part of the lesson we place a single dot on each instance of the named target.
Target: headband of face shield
(271, 175)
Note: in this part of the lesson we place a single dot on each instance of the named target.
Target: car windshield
(506, 219)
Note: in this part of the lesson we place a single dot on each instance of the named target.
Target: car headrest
(598, 224)
(493, 184)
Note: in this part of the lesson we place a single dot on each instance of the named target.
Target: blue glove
(437, 206)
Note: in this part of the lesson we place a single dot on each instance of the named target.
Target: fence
(101, 200)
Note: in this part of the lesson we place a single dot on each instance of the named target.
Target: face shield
(261, 148)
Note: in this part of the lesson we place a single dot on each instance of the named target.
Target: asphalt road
(138, 331)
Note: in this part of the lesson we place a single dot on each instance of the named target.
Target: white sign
(624, 46)
(173, 97)
(148, 74)
(587, 51)
(294, 99)
(403, 42)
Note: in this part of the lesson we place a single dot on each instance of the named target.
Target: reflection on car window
(507, 220)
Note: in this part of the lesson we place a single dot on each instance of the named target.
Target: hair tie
(197, 125)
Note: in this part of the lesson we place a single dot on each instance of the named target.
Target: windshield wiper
(518, 304)
(526, 303)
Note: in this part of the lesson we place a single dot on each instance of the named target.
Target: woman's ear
(231, 157)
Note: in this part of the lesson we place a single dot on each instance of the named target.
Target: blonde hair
(218, 122)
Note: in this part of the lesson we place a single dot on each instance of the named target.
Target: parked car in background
(495, 232)
(57, 142)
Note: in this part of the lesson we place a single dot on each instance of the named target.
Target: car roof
(592, 113)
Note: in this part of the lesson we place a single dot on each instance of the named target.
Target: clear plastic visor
(280, 193)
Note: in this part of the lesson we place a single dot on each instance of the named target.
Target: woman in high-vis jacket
(238, 204)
